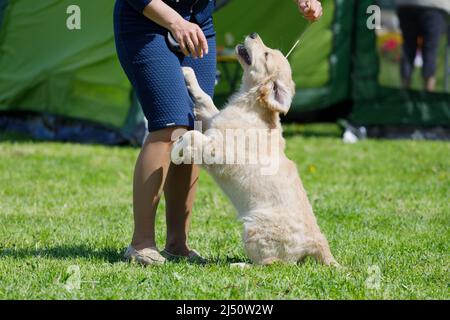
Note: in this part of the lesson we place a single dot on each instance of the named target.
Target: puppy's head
(269, 71)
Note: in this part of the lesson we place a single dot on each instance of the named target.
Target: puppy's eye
(266, 54)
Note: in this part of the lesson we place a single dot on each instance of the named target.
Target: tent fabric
(375, 104)
(319, 60)
(3, 5)
(45, 67)
(338, 61)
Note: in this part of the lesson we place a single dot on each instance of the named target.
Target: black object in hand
(173, 43)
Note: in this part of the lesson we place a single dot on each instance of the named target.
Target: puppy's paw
(201, 114)
(189, 76)
(335, 264)
(269, 261)
(187, 149)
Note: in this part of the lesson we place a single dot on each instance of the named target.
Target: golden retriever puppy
(242, 147)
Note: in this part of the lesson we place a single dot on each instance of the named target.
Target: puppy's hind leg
(204, 106)
(322, 253)
(316, 248)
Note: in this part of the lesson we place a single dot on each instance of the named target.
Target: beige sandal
(146, 256)
(192, 257)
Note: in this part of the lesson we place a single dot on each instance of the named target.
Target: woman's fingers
(197, 49)
(200, 43)
(203, 45)
(183, 47)
(311, 9)
(196, 43)
(304, 6)
(191, 39)
(190, 45)
(316, 10)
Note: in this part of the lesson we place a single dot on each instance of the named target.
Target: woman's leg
(154, 70)
(433, 24)
(410, 30)
(150, 173)
(179, 192)
(181, 181)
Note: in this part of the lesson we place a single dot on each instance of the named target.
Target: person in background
(141, 28)
(426, 19)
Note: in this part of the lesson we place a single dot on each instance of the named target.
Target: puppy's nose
(254, 35)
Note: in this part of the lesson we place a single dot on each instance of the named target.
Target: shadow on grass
(312, 130)
(111, 255)
(319, 130)
(21, 138)
(16, 137)
(225, 261)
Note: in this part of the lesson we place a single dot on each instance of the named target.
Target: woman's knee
(166, 134)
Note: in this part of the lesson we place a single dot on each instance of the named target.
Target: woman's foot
(146, 256)
(192, 257)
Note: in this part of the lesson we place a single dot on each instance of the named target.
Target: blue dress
(153, 69)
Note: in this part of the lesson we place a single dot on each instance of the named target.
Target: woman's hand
(190, 37)
(311, 9)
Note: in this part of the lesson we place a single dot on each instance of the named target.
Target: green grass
(382, 204)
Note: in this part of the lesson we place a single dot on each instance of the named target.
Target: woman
(426, 18)
(154, 70)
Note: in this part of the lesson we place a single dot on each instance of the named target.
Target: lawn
(382, 204)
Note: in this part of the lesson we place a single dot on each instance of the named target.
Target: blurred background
(67, 85)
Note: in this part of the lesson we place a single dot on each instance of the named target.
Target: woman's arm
(311, 9)
(189, 35)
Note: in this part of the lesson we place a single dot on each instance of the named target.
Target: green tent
(48, 69)
(378, 103)
(68, 77)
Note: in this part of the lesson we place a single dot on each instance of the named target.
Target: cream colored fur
(279, 224)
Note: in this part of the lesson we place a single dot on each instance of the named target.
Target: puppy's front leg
(188, 149)
(204, 106)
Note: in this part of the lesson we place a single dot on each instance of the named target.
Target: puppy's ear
(276, 96)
